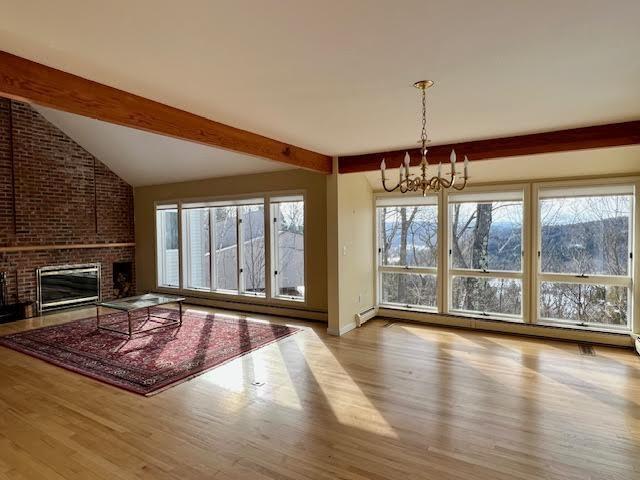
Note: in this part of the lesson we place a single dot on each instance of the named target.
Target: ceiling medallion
(409, 182)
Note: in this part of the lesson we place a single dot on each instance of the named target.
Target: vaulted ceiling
(143, 158)
(335, 76)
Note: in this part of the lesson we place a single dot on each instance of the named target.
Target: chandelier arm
(422, 182)
(460, 187)
(445, 183)
(387, 189)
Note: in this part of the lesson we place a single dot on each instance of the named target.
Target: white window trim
(274, 200)
(393, 200)
(480, 194)
(574, 188)
(233, 200)
(159, 206)
(530, 242)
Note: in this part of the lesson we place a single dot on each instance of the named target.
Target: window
(408, 251)
(288, 247)
(584, 255)
(576, 269)
(223, 248)
(485, 253)
(252, 249)
(197, 250)
(225, 244)
(167, 246)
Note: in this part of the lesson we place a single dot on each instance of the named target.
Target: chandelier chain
(423, 136)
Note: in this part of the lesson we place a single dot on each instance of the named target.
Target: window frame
(597, 187)
(160, 206)
(530, 264)
(213, 261)
(242, 199)
(274, 201)
(241, 223)
(449, 272)
(411, 200)
(186, 235)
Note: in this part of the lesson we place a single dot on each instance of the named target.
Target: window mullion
(212, 250)
(180, 247)
(267, 246)
(239, 249)
(443, 257)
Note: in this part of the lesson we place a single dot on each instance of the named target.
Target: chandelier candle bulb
(466, 166)
(383, 166)
(407, 162)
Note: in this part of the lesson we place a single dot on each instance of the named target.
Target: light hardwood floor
(386, 401)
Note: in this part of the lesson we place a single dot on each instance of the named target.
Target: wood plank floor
(387, 401)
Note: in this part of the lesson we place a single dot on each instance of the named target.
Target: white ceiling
(142, 158)
(335, 76)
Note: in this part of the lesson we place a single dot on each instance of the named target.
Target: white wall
(350, 233)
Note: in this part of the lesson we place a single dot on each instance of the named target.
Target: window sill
(235, 296)
(585, 328)
(480, 316)
(511, 321)
(404, 308)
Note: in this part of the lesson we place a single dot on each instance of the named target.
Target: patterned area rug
(150, 361)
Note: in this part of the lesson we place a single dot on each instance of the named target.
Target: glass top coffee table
(131, 305)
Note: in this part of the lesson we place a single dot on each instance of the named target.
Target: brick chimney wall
(55, 193)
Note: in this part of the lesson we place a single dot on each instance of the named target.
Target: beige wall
(351, 249)
(313, 184)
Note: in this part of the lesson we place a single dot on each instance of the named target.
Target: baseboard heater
(362, 317)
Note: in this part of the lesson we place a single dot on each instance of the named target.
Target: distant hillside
(560, 246)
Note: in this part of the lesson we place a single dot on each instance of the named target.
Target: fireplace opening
(123, 279)
(66, 286)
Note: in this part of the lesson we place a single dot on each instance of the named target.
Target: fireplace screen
(66, 286)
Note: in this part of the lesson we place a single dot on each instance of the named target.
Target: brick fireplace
(59, 205)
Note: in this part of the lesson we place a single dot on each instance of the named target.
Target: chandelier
(409, 182)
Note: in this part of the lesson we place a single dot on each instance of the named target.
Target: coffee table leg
(130, 328)
(98, 317)
(180, 310)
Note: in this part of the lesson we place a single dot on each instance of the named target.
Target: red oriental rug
(150, 361)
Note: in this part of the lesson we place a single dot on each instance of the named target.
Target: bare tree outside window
(253, 248)
(409, 289)
(289, 259)
(486, 237)
(585, 237)
(409, 238)
(226, 248)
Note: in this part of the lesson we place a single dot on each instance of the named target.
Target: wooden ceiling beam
(31, 82)
(600, 136)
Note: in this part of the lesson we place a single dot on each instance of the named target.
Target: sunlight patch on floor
(336, 383)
